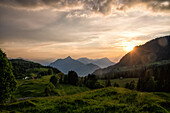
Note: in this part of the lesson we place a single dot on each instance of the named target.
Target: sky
(45, 30)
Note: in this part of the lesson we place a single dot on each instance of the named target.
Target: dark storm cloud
(98, 6)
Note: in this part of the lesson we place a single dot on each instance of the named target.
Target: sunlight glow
(128, 46)
(132, 34)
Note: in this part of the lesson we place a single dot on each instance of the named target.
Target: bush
(51, 86)
(116, 85)
(50, 72)
(92, 82)
(47, 91)
(127, 85)
(97, 85)
(61, 75)
(130, 85)
(54, 80)
(32, 75)
(108, 83)
(13, 99)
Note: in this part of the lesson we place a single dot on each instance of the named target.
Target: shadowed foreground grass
(97, 101)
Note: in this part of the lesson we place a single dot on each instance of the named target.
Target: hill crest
(152, 51)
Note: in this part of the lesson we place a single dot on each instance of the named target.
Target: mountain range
(103, 62)
(83, 66)
(155, 50)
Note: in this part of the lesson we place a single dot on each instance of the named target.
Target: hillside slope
(118, 100)
(36, 88)
(152, 51)
(22, 68)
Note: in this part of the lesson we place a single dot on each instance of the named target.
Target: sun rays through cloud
(78, 28)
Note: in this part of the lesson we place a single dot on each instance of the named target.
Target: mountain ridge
(154, 50)
(69, 64)
(102, 62)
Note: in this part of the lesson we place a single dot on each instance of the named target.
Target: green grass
(81, 99)
(163, 95)
(110, 100)
(35, 88)
(121, 82)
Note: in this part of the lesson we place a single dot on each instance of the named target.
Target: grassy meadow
(36, 87)
(111, 100)
(75, 99)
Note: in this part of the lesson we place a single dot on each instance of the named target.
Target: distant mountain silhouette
(103, 62)
(155, 50)
(69, 64)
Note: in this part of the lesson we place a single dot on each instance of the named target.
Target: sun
(129, 47)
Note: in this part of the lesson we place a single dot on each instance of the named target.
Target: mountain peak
(69, 57)
(67, 64)
(105, 58)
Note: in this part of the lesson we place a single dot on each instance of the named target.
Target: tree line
(155, 78)
(72, 78)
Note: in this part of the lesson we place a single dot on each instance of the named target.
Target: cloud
(41, 4)
(58, 28)
(104, 7)
(154, 5)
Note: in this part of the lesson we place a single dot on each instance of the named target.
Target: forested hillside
(156, 50)
(23, 68)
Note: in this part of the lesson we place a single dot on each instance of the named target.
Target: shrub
(47, 91)
(116, 85)
(61, 75)
(50, 72)
(13, 99)
(130, 85)
(54, 80)
(108, 83)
